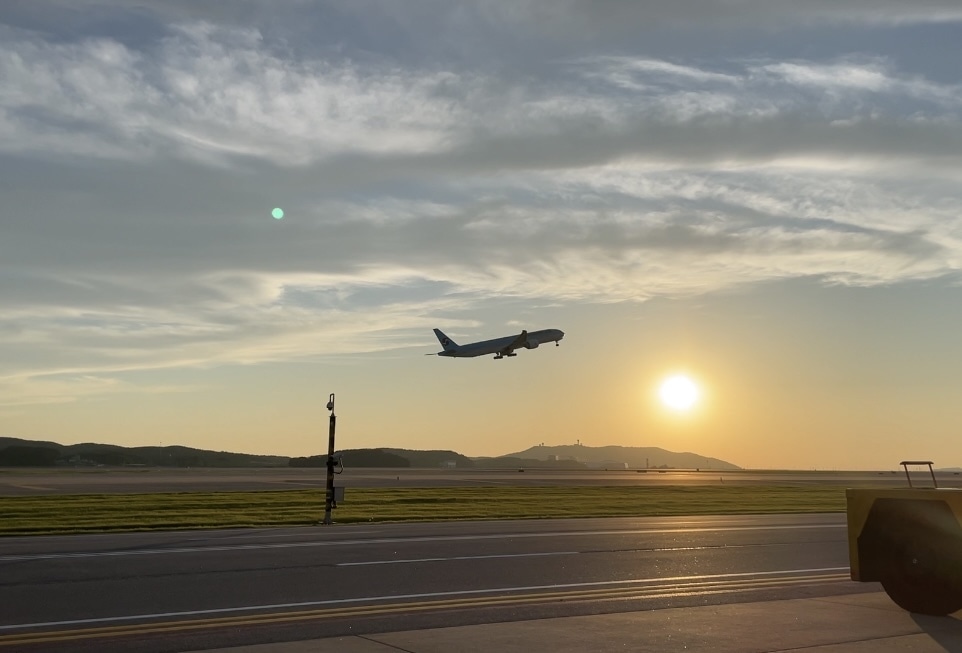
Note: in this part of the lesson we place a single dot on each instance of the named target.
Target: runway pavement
(130, 480)
(165, 592)
(853, 623)
(723, 583)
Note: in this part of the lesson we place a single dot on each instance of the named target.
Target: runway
(131, 480)
(192, 591)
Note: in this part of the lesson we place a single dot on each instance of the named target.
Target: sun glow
(678, 392)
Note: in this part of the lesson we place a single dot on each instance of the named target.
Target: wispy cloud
(138, 182)
(217, 93)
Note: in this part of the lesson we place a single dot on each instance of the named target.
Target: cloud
(619, 15)
(219, 96)
(59, 388)
(138, 181)
(654, 13)
(210, 93)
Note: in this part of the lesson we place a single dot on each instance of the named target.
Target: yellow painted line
(607, 594)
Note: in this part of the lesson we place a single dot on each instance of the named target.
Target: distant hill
(35, 453)
(356, 458)
(17, 452)
(612, 456)
(507, 462)
(399, 458)
(433, 458)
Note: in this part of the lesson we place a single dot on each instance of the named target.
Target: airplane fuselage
(500, 347)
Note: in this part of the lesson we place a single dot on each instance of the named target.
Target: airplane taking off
(500, 347)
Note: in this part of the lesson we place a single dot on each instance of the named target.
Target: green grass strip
(92, 513)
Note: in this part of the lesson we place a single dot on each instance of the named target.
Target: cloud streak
(138, 182)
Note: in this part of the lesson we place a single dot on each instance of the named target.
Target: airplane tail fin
(446, 342)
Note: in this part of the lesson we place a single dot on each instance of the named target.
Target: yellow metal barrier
(910, 540)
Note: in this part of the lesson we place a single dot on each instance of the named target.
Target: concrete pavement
(855, 623)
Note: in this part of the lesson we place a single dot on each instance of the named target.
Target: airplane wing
(517, 342)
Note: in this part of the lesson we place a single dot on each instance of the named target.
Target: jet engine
(530, 343)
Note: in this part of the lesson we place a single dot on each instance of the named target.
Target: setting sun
(678, 392)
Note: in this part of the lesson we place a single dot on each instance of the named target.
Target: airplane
(500, 347)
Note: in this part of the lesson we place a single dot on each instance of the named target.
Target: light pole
(329, 499)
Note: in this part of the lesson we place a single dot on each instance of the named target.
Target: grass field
(89, 513)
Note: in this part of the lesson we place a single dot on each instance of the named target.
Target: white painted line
(402, 540)
(268, 536)
(487, 557)
(426, 595)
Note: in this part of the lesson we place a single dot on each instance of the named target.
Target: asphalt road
(27, 482)
(195, 590)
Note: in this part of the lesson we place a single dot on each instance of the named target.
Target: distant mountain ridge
(19, 452)
(634, 457)
(387, 457)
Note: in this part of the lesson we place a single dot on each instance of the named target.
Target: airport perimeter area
(856, 623)
(823, 613)
(15, 481)
(46, 501)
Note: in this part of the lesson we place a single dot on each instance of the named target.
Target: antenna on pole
(329, 497)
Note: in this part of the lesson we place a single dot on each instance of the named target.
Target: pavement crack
(823, 645)
(377, 641)
(847, 602)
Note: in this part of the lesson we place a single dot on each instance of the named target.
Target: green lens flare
(277, 213)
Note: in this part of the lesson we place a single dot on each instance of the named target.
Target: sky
(763, 195)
